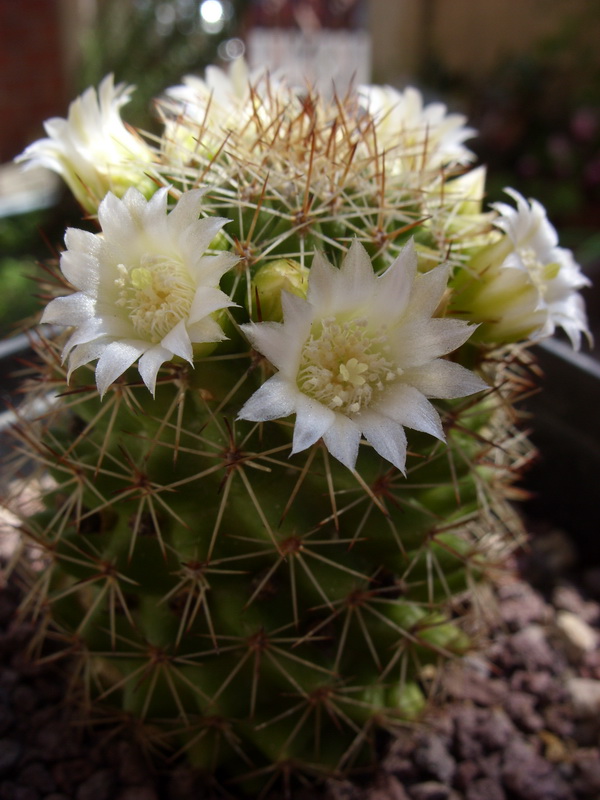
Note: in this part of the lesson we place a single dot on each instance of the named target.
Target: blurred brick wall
(32, 73)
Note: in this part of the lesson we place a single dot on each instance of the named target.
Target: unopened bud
(270, 280)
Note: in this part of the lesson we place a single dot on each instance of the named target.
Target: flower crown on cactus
(255, 549)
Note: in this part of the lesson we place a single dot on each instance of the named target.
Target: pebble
(533, 649)
(388, 787)
(99, 786)
(578, 636)
(484, 789)
(433, 757)
(430, 790)
(585, 696)
(529, 776)
(138, 793)
(10, 751)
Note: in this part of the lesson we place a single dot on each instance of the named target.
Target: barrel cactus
(278, 440)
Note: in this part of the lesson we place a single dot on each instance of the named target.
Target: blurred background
(526, 73)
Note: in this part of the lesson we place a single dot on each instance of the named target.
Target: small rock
(23, 699)
(587, 766)
(132, 768)
(521, 709)
(433, 757)
(26, 793)
(98, 786)
(7, 719)
(387, 787)
(484, 789)
(138, 793)
(430, 790)
(10, 750)
(577, 636)
(529, 777)
(531, 645)
(341, 790)
(568, 598)
(585, 696)
(521, 606)
(495, 729)
(37, 776)
(463, 684)
(558, 719)
(68, 775)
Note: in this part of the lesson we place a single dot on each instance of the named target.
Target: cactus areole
(278, 435)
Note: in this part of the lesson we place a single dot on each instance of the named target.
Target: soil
(520, 720)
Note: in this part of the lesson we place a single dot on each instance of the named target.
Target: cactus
(263, 596)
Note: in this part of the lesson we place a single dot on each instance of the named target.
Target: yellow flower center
(344, 365)
(156, 295)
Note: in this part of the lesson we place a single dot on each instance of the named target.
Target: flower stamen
(344, 364)
(157, 295)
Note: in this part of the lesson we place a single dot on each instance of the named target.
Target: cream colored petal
(313, 420)
(386, 436)
(177, 341)
(273, 400)
(342, 440)
(149, 364)
(444, 379)
(408, 406)
(116, 358)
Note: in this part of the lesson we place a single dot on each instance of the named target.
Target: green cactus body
(258, 609)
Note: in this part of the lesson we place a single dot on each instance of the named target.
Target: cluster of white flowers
(358, 354)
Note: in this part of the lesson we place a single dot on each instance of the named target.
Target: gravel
(514, 724)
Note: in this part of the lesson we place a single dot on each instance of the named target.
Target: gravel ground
(521, 721)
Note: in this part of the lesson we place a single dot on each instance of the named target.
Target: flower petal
(445, 379)
(274, 341)
(207, 300)
(386, 436)
(394, 287)
(149, 364)
(177, 341)
(273, 400)
(342, 440)
(406, 405)
(74, 309)
(313, 419)
(115, 359)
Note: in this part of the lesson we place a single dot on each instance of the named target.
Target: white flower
(146, 289)
(415, 136)
(201, 113)
(361, 355)
(552, 270)
(92, 149)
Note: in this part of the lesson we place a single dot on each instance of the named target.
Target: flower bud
(271, 279)
(92, 150)
(523, 285)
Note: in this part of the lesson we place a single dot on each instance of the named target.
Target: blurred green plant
(152, 43)
(20, 244)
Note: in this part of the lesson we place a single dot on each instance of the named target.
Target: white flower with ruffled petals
(415, 136)
(551, 269)
(147, 291)
(361, 355)
(92, 150)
